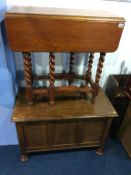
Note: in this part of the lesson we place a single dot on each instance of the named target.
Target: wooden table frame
(33, 29)
(94, 86)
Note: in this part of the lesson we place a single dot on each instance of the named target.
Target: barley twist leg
(90, 62)
(89, 68)
(98, 76)
(28, 75)
(52, 77)
(71, 66)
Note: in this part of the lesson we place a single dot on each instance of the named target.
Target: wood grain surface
(63, 109)
(68, 124)
(46, 29)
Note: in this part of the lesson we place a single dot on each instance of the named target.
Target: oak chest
(68, 124)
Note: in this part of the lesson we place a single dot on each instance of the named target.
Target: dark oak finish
(72, 123)
(52, 91)
(104, 136)
(28, 76)
(22, 143)
(124, 132)
(33, 29)
(98, 76)
(72, 108)
(52, 77)
(90, 62)
(118, 91)
(72, 58)
(127, 88)
(60, 30)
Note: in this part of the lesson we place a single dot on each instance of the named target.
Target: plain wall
(8, 86)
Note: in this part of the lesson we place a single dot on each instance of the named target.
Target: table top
(63, 109)
(38, 29)
(90, 14)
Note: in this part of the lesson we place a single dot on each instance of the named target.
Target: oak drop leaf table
(35, 29)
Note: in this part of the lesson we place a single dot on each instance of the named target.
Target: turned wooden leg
(89, 68)
(98, 76)
(24, 157)
(71, 66)
(100, 150)
(52, 77)
(90, 62)
(28, 76)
